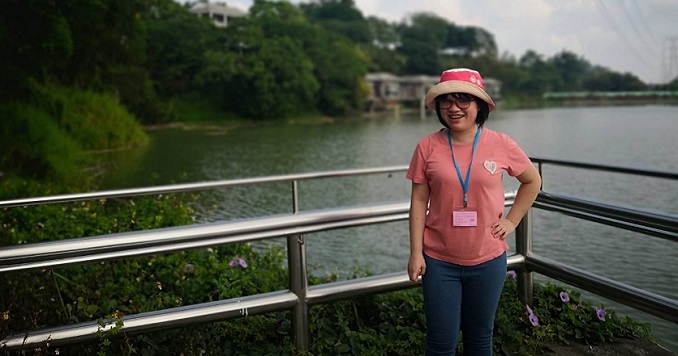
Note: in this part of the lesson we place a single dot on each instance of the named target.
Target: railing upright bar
(296, 260)
(299, 286)
(295, 196)
(524, 248)
(541, 174)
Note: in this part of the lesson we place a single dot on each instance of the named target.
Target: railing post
(296, 263)
(296, 260)
(524, 247)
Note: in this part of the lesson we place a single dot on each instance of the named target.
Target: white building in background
(219, 12)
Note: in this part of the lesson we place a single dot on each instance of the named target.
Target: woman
(459, 246)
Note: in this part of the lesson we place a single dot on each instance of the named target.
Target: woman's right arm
(418, 205)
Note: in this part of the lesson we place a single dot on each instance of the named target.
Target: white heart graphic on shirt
(490, 166)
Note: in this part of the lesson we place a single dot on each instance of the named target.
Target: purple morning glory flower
(238, 261)
(564, 297)
(533, 318)
(529, 310)
(512, 274)
(600, 313)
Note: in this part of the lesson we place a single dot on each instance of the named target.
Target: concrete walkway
(623, 347)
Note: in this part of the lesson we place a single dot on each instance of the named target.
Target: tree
(338, 65)
(421, 42)
(37, 41)
(611, 81)
(380, 54)
(178, 46)
(541, 75)
(272, 75)
(470, 41)
(278, 10)
(340, 17)
(571, 68)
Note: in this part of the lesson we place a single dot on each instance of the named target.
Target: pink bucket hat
(459, 80)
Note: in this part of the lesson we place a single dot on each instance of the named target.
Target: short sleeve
(517, 160)
(417, 170)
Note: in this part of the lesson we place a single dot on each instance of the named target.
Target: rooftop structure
(219, 12)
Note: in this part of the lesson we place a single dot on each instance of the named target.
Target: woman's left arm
(530, 183)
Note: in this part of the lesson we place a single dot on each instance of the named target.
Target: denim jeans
(461, 297)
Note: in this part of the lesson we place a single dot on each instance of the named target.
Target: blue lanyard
(464, 184)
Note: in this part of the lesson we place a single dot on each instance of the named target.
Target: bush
(558, 315)
(96, 121)
(33, 145)
(46, 138)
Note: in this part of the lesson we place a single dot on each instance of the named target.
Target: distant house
(219, 12)
(387, 89)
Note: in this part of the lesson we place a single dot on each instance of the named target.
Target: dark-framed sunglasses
(463, 101)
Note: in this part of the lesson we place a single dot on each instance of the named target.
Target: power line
(617, 31)
(644, 22)
(631, 21)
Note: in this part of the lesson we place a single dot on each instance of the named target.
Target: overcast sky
(636, 36)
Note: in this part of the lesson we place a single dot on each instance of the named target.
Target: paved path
(622, 347)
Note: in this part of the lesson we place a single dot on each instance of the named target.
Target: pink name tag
(465, 218)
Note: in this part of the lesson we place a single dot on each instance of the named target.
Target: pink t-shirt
(432, 164)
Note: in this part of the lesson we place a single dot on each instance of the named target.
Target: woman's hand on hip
(502, 228)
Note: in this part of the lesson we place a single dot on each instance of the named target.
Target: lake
(632, 136)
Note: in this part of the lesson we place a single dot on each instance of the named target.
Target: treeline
(281, 60)
(161, 63)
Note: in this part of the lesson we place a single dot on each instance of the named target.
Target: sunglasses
(463, 101)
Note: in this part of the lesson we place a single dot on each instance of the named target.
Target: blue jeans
(461, 297)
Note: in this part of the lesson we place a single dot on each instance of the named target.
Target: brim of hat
(454, 86)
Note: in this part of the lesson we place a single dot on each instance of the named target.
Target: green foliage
(35, 41)
(177, 45)
(340, 71)
(561, 316)
(339, 17)
(47, 137)
(610, 81)
(384, 324)
(421, 43)
(94, 121)
(108, 291)
(278, 68)
(33, 145)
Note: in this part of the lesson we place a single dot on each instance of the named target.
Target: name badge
(464, 218)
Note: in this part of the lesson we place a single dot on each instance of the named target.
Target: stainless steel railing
(294, 226)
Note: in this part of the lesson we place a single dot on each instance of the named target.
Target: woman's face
(459, 110)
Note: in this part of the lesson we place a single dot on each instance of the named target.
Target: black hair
(483, 110)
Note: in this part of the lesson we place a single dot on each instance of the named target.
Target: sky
(627, 36)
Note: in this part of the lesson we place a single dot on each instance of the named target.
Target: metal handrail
(654, 224)
(606, 168)
(188, 187)
(144, 243)
(300, 296)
